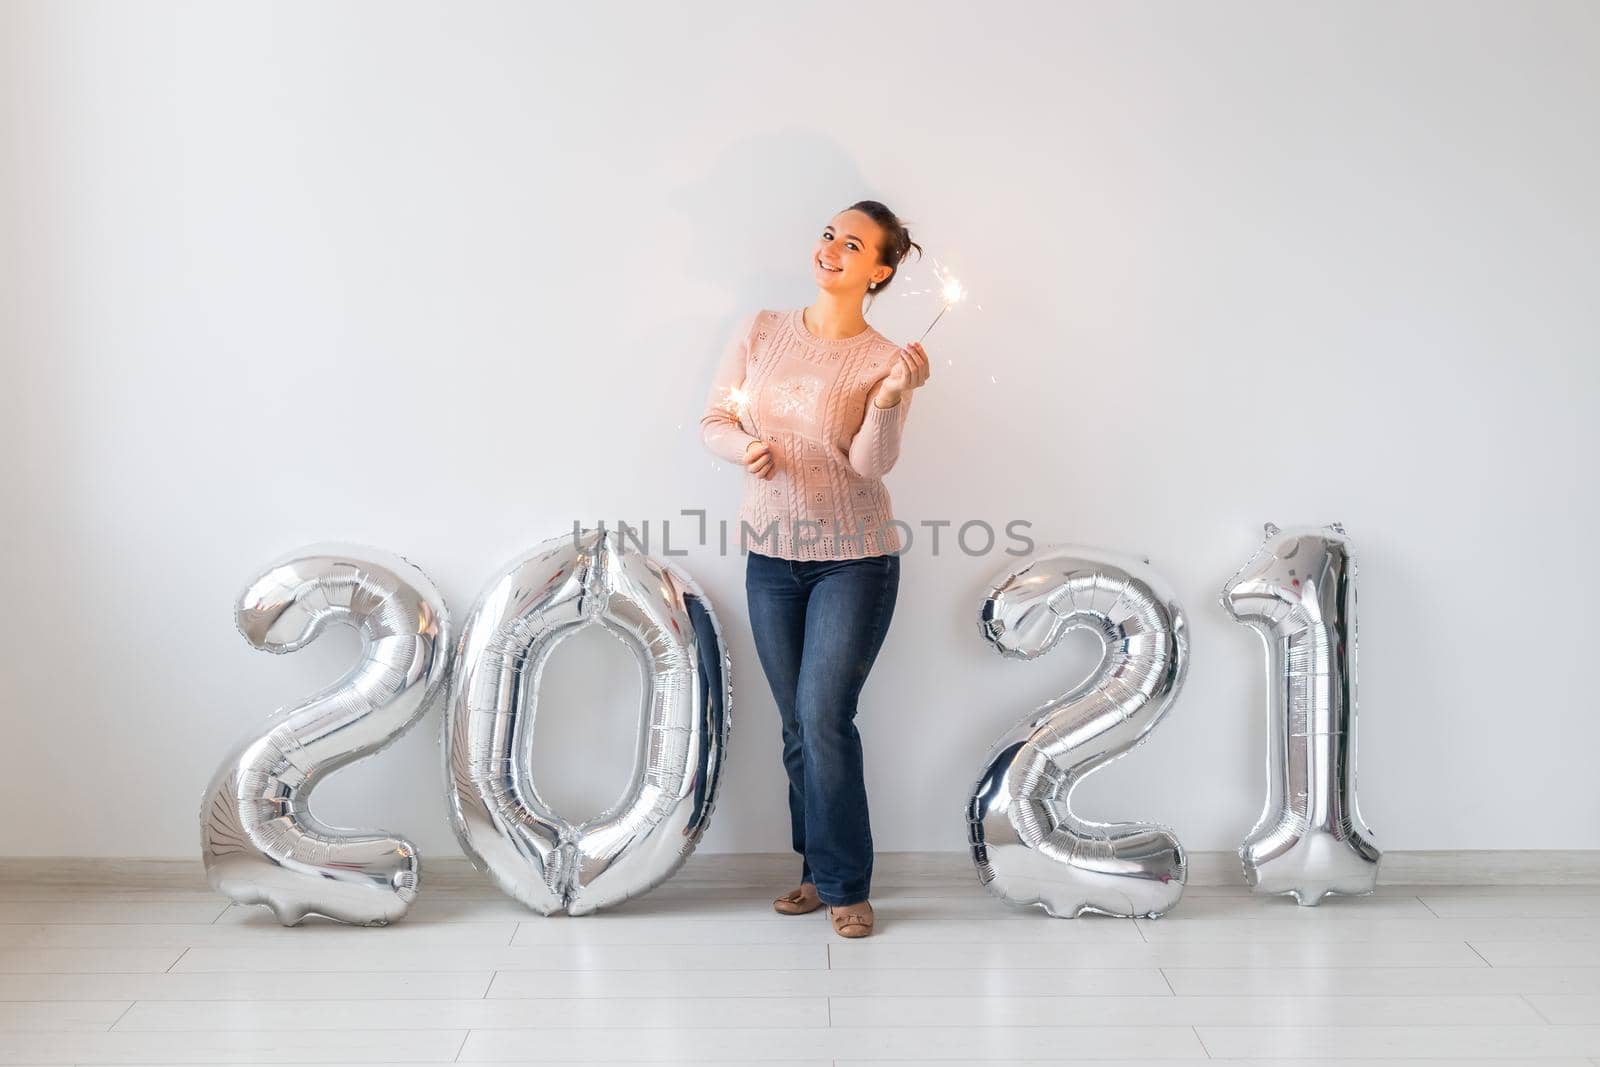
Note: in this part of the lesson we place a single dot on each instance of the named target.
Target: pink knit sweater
(810, 399)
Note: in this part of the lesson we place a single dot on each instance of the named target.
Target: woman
(812, 403)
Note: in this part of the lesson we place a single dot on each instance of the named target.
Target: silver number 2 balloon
(503, 824)
(1028, 844)
(260, 843)
(1299, 593)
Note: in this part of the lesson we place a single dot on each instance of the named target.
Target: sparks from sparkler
(735, 401)
(950, 290)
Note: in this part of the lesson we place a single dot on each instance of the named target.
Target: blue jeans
(818, 626)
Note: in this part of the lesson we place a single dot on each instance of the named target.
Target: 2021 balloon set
(262, 845)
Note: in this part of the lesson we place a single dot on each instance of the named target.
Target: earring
(872, 285)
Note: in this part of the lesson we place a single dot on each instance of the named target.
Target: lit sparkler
(735, 401)
(950, 290)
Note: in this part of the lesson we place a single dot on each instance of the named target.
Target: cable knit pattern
(809, 398)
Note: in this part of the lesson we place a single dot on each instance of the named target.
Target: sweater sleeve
(876, 445)
(722, 430)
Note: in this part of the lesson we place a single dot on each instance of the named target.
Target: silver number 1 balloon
(260, 843)
(1298, 592)
(659, 613)
(1028, 844)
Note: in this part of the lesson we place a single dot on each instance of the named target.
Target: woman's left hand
(909, 372)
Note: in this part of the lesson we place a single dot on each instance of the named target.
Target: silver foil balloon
(657, 611)
(1298, 592)
(260, 841)
(1029, 846)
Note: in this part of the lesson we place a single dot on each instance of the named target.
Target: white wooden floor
(692, 974)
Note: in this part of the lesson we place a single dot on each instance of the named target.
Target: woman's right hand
(758, 459)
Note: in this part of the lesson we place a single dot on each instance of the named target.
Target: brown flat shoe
(802, 901)
(852, 920)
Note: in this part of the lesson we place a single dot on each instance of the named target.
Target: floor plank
(1530, 1043)
(1521, 903)
(1383, 981)
(1179, 1011)
(379, 957)
(246, 985)
(567, 1012)
(92, 1015)
(1276, 1061)
(917, 1044)
(327, 935)
(102, 911)
(86, 960)
(836, 983)
(240, 1046)
(869, 952)
(815, 929)
(1567, 1008)
(1263, 931)
(1555, 952)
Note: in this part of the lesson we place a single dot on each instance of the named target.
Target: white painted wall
(446, 277)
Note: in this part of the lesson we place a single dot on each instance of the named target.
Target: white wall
(444, 278)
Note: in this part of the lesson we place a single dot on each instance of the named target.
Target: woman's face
(846, 256)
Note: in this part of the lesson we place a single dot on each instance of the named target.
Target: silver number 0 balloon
(1027, 843)
(1298, 592)
(503, 824)
(260, 843)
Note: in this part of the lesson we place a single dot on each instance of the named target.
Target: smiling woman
(813, 403)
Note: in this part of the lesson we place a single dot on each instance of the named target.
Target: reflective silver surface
(1028, 844)
(1298, 592)
(660, 614)
(260, 841)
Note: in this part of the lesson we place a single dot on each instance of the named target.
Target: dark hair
(897, 240)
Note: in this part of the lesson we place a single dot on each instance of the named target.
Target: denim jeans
(818, 626)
